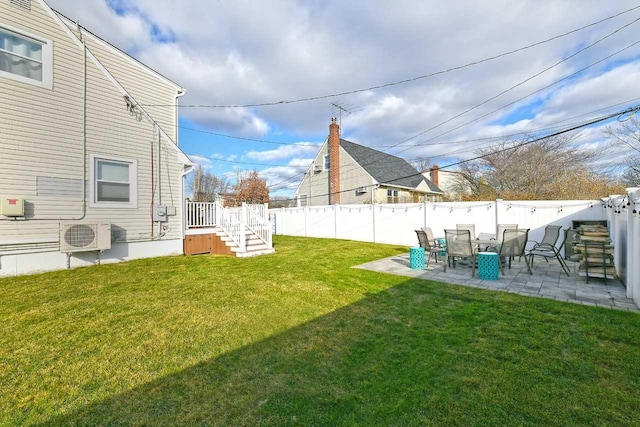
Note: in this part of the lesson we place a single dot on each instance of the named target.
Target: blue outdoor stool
(416, 258)
(488, 266)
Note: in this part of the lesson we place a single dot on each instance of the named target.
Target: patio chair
(547, 247)
(429, 247)
(502, 227)
(459, 245)
(470, 227)
(513, 245)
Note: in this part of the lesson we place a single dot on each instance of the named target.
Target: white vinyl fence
(623, 214)
(395, 224)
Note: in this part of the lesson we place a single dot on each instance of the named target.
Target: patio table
(486, 243)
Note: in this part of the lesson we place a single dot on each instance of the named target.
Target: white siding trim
(47, 60)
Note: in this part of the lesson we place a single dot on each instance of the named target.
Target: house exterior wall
(155, 93)
(404, 195)
(41, 146)
(315, 185)
(352, 176)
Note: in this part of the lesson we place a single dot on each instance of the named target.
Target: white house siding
(352, 176)
(41, 136)
(315, 185)
(143, 84)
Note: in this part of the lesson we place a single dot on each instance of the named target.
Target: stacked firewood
(594, 249)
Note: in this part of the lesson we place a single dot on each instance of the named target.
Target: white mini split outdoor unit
(85, 236)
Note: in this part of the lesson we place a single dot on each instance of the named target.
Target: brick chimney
(434, 175)
(334, 163)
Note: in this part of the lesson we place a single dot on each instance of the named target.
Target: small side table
(416, 258)
(488, 266)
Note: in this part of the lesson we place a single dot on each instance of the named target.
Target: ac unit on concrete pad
(85, 236)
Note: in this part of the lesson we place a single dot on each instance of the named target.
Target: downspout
(182, 92)
(159, 177)
(84, 125)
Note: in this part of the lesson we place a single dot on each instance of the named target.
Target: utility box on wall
(160, 213)
(12, 206)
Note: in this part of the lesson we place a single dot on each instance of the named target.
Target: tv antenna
(343, 108)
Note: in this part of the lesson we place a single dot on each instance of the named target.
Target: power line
(529, 79)
(513, 147)
(400, 82)
(301, 144)
(500, 108)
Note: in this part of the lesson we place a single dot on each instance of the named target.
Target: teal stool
(488, 266)
(416, 258)
(443, 245)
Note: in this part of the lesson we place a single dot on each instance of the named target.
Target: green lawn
(301, 338)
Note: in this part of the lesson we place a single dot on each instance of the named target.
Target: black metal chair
(429, 247)
(547, 247)
(513, 245)
(459, 245)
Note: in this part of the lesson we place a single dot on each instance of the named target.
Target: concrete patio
(548, 281)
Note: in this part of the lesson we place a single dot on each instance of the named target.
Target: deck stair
(242, 232)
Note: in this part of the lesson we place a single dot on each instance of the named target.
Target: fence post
(373, 220)
(335, 221)
(496, 216)
(306, 211)
(424, 214)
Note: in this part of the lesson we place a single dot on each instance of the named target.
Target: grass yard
(301, 338)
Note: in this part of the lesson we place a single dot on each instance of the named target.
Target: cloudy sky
(249, 52)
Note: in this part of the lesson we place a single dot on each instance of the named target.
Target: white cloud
(284, 152)
(201, 160)
(238, 52)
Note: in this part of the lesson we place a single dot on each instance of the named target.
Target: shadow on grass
(413, 354)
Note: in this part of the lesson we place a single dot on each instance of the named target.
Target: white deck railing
(234, 221)
(200, 214)
(229, 223)
(257, 219)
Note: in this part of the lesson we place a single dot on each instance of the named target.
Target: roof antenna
(340, 109)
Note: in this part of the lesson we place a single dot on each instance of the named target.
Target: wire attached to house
(513, 147)
(399, 82)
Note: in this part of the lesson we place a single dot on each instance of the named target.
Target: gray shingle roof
(386, 168)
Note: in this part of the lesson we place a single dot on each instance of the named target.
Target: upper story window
(113, 182)
(326, 162)
(25, 58)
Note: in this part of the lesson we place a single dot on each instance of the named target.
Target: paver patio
(548, 281)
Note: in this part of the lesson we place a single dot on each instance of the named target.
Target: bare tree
(422, 164)
(205, 186)
(548, 169)
(626, 135)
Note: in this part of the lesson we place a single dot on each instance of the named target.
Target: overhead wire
(384, 154)
(399, 82)
(513, 147)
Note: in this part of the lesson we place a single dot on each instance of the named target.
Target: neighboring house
(451, 182)
(363, 175)
(85, 161)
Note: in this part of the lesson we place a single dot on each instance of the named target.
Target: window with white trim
(327, 162)
(392, 196)
(25, 58)
(113, 182)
